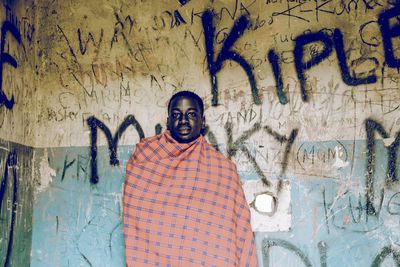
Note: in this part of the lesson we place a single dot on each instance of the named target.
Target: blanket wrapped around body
(184, 206)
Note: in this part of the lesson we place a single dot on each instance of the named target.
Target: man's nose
(183, 118)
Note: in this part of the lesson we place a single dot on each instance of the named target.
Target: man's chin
(183, 138)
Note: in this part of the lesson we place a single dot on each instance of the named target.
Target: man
(183, 201)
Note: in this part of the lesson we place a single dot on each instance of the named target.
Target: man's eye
(176, 115)
(192, 115)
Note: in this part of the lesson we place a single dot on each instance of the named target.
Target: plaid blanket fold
(184, 206)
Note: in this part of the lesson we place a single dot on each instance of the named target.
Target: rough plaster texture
(280, 218)
(18, 123)
(111, 59)
(17, 126)
(16, 204)
(119, 58)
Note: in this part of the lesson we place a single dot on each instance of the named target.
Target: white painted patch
(339, 163)
(270, 210)
(117, 198)
(264, 203)
(46, 173)
(388, 141)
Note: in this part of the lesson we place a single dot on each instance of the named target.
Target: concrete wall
(16, 199)
(302, 95)
(17, 130)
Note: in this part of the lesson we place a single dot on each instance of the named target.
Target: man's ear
(168, 123)
(204, 129)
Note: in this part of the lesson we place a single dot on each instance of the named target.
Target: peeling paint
(112, 60)
(388, 141)
(281, 219)
(339, 163)
(46, 173)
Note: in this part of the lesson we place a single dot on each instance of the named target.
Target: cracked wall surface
(302, 95)
(18, 87)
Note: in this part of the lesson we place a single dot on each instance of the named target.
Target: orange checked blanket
(184, 206)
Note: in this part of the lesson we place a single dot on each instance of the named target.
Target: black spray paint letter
(371, 126)
(314, 59)
(112, 141)
(7, 58)
(226, 53)
(388, 33)
(384, 254)
(268, 243)
(239, 144)
(344, 69)
(11, 162)
(274, 60)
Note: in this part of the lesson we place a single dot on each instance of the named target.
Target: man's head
(185, 116)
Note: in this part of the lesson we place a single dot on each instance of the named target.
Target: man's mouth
(184, 130)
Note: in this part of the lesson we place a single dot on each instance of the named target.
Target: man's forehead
(191, 101)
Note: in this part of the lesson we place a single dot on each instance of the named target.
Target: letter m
(93, 124)
(371, 127)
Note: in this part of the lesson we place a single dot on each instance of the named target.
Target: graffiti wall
(18, 72)
(302, 95)
(16, 203)
(17, 120)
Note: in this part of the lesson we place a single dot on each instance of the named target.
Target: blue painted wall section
(332, 225)
(16, 205)
(276, 75)
(78, 223)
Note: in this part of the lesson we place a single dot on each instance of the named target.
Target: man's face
(185, 119)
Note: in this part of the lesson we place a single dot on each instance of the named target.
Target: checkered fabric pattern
(184, 206)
